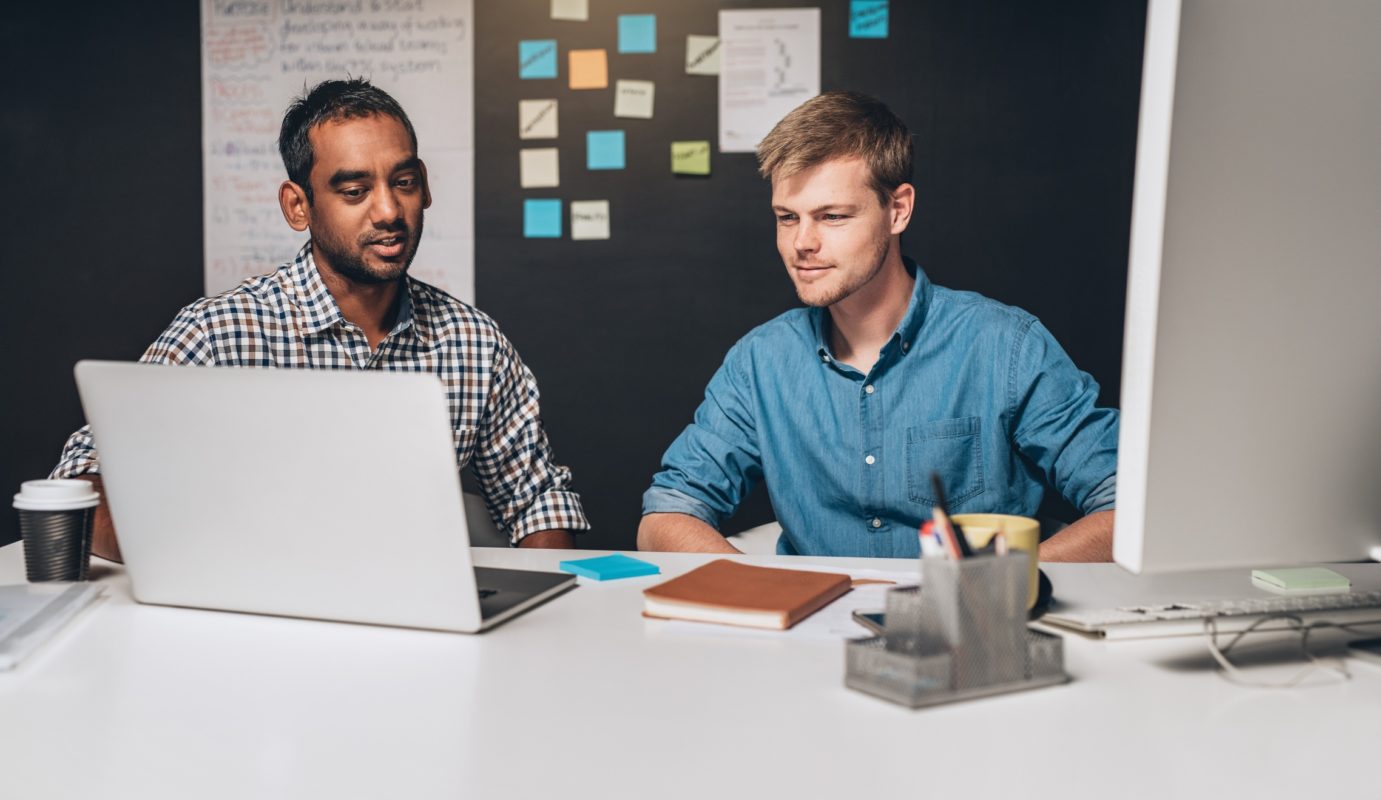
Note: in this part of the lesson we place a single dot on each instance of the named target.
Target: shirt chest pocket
(952, 448)
(465, 445)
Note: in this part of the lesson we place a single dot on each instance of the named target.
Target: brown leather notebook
(731, 593)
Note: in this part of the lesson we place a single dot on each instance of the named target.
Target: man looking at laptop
(356, 184)
(847, 407)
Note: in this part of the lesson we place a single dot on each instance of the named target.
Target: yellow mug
(1023, 533)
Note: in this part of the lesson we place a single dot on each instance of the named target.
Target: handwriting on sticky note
(589, 69)
(633, 99)
(537, 58)
(690, 158)
(702, 55)
(590, 219)
(537, 119)
(868, 19)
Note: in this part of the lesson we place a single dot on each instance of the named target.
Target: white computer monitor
(1251, 388)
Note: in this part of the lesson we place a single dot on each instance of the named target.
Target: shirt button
(869, 460)
(905, 346)
(869, 388)
(825, 359)
(877, 523)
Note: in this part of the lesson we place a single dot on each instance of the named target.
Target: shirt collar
(910, 328)
(319, 308)
(407, 316)
(314, 300)
(906, 332)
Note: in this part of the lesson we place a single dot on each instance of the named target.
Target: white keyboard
(1180, 619)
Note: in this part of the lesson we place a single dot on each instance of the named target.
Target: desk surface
(584, 696)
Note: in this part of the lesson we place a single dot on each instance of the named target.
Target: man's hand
(680, 533)
(103, 542)
(1089, 539)
(554, 539)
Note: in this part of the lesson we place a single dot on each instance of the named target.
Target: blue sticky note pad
(542, 219)
(609, 568)
(868, 19)
(604, 150)
(537, 58)
(637, 33)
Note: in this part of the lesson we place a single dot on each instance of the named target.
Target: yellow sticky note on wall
(589, 69)
(690, 158)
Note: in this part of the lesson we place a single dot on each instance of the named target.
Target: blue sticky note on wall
(611, 567)
(537, 58)
(868, 19)
(542, 219)
(637, 33)
(604, 150)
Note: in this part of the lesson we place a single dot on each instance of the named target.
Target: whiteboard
(258, 55)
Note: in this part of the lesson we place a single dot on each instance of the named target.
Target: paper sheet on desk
(833, 622)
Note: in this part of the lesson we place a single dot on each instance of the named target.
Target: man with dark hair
(847, 407)
(356, 185)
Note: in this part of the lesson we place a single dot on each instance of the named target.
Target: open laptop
(303, 493)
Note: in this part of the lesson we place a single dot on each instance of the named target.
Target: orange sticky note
(589, 69)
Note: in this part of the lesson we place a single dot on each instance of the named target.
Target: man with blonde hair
(847, 407)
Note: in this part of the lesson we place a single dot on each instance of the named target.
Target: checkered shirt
(289, 319)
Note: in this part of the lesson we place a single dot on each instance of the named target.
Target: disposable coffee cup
(55, 521)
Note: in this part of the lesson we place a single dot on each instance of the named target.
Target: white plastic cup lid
(58, 494)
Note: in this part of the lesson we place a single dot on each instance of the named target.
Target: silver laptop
(320, 494)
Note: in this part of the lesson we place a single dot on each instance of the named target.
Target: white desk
(584, 698)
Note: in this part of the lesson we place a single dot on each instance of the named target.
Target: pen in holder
(961, 634)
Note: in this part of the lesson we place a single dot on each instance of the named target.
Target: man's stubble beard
(844, 290)
(348, 263)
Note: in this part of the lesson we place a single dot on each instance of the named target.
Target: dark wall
(1024, 116)
(100, 145)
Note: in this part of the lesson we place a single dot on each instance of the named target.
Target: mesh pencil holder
(961, 634)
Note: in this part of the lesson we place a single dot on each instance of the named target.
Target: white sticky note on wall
(633, 99)
(590, 219)
(702, 55)
(570, 9)
(538, 168)
(537, 119)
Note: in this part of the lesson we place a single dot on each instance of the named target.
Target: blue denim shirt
(970, 388)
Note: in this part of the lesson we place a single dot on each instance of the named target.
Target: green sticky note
(690, 158)
(1301, 579)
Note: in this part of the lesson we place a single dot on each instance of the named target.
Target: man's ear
(903, 203)
(297, 210)
(426, 185)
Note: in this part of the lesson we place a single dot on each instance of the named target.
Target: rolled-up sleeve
(1057, 424)
(183, 342)
(716, 460)
(524, 489)
(78, 456)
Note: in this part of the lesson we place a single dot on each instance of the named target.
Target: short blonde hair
(840, 125)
